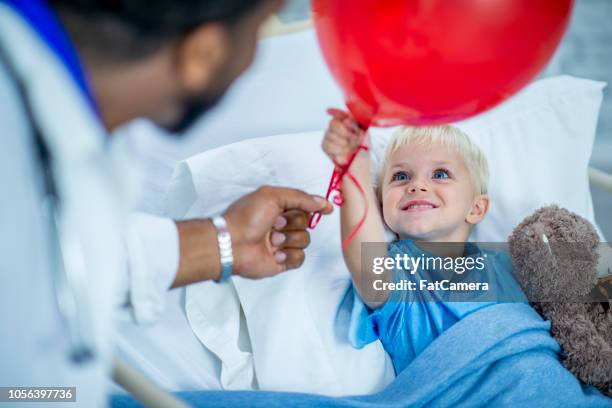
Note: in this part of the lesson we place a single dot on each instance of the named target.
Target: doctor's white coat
(33, 338)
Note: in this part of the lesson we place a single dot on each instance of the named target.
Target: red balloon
(435, 61)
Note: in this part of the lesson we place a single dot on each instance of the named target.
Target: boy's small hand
(343, 136)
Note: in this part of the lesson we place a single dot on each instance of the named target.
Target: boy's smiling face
(428, 194)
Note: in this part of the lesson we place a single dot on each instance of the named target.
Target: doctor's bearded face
(166, 60)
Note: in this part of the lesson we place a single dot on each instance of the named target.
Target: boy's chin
(416, 234)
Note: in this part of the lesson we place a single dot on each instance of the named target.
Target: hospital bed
(288, 69)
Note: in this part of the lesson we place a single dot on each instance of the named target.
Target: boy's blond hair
(450, 137)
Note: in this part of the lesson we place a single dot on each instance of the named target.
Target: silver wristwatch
(225, 248)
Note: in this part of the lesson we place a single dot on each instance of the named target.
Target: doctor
(70, 253)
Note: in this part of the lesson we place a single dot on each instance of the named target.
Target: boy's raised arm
(341, 140)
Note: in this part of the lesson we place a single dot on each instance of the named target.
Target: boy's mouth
(418, 206)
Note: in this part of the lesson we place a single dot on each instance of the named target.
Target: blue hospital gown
(409, 321)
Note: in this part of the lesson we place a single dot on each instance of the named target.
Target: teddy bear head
(554, 255)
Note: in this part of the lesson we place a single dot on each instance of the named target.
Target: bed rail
(142, 389)
(600, 179)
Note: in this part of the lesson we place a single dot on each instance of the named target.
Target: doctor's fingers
(291, 239)
(295, 220)
(294, 258)
(288, 199)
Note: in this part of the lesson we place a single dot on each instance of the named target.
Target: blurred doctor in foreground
(70, 254)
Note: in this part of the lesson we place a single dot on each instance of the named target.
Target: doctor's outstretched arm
(268, 233)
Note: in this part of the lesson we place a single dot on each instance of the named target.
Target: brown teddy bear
(555, 257)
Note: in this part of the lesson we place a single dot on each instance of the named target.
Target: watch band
(225, 248)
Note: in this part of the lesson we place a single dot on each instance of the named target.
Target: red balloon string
(335, 187)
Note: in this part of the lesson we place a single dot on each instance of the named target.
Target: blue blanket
(502, 355)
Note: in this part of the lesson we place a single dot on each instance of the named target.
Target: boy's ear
(479, 209)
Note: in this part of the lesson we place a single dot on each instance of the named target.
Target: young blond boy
(431, 191)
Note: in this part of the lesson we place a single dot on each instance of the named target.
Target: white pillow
(538, 144)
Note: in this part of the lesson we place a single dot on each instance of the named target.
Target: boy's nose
(416, 187)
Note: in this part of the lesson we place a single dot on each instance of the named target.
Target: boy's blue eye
(440, 174)
(400, 176)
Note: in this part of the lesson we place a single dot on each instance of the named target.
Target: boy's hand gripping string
(335, 187)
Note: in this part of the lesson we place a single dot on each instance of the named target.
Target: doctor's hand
(268, 229)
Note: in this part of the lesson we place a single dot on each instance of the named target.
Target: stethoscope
(67, 255)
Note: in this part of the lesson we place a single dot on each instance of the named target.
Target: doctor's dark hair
(131, 29)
